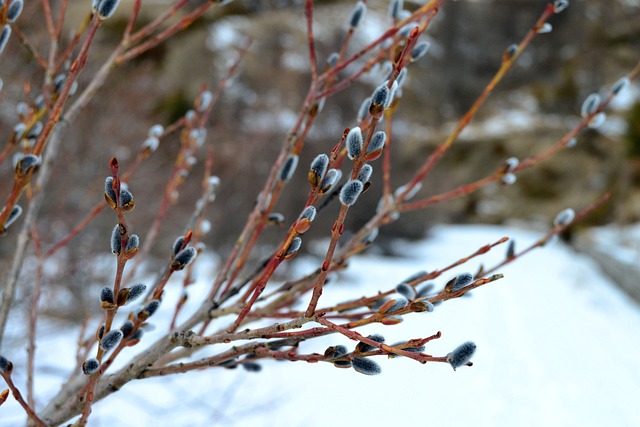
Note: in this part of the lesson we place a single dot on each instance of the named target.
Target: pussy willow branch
(18, 396)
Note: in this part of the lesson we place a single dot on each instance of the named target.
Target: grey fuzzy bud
(106, 8)
(28, 163)
(545, 28)
(511, 164)
(204, 101)
(126, 328)
(365, 173)
(597, 120)
(461, 355)
(354, 142)
(416, 188)
(508, 179)
(363, 347)
(399, 304)
(377, 141)
(289, 167)
(90, 366)
(126, 200)
(177, 245)
(371, 237)
(16, 211)
(294, 247)
(332, 60)
(564, 217)
(111, 339)
(511, 50)
(116, 242)
(357, 14)
(462, 280)
(406, 291)
(252, 366)
(332, 176)
(136, 290)
(151, 144)
(5, 364)
(183, 258)
(309, 213)
(14, 10)
(395, 8)
(364, 109)
(340, 350)
(620, 85)
(590, 105)
(560, 5)
(4, 37)
(106, 295)
(109, 192)
(350, 192)
(420, 50)
(380, 96)
(318, 168)
(424, 290)
(132, 244)
(405, 31)
(365, 366)
(155, 131)
(152, 307)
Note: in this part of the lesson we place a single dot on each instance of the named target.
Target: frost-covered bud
(109, 192)
(617, 86)
(116, 241)
(289, 167)
(16, 211)
(395, 7)
(545, 28)
(132, 246)
(564, 217)
(365, 173)
(354, 142)
(357, 14)
(461, 355)
(332, 176)
(597, 120)
(318, 169)
(183, 258)
(4, 37)
(420, 50)
(365, 366)
(14, 10)
(106, 8)
(293, 248)
(111, 339)
(90, 366)
(27, 164)
(363, 110)
(571, 143)
(590, 105)
(406, 291)
(126, 200)
(5, 365)
(560, 5)
(379, 100)
(204, 101)
(461, 281)
(350, 192)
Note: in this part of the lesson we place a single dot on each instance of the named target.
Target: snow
(557, 346)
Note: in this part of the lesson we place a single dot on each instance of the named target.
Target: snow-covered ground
(558, 345)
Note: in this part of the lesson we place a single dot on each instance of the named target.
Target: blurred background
(592, 45)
